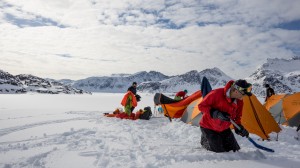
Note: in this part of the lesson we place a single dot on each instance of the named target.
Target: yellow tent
(256, 119)
(285, 108)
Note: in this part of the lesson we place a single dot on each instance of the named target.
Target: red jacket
(181, 94)
(218, 100)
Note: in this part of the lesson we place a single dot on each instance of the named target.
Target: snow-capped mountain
(10, 84)
(190, 81)
(28, 83)
(281, 74)
(64, 81)
(117, 83)
(153, 81)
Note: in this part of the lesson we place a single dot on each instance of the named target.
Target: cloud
(77, 39)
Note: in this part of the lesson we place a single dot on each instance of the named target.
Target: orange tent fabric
(192, 115)
(273, 100)
(256, 119)
(175, 110)
(285, 108)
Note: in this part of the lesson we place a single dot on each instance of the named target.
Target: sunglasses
(242, 90)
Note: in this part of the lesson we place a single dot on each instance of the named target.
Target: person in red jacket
(218, 107)
(180, 95)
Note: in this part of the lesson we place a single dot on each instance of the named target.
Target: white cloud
(104, 37)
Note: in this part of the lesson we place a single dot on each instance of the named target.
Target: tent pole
(297, 131)
(257, 118)
(168, 113)
(154, 110)
(278, 124)
(251, 140)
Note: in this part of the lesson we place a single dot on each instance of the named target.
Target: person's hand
(216, 114)
(242, 132)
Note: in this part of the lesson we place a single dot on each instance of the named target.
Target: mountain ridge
(23, 83)
(281, 74)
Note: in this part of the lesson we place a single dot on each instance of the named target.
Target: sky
(71, 131)
(82, 38)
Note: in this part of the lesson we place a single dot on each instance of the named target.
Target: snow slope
(59, 131)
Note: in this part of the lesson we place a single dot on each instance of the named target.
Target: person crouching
(218, 107)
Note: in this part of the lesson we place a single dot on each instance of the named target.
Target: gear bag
(147, 113)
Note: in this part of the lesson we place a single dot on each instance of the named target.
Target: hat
(267, 85)
(244, 86)
(185, 91)
(134, 83)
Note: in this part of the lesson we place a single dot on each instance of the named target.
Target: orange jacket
(124, 100)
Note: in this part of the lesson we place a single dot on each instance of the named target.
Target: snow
(56, 131)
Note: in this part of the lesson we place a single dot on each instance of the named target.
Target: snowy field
(69, 131)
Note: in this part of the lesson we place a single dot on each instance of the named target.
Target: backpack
(147, 113)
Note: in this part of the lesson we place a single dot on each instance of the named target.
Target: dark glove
(138, 98)
(242, 132)
(220, 115)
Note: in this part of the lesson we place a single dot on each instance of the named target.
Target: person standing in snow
(218, 107)
(269, 92)
(132, 88)
(181, 95)
(130, 99)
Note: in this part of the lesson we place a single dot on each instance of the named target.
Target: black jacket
(132, 89)
(269, 93)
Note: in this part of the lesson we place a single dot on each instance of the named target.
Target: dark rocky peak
(31, 80)
(7, 78)
(190, 77)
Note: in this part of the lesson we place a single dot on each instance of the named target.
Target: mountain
(153, 81)
(28, 83)
(190, 81)
(10, 84)
(283, 75)
(117, 83)
(64, 81)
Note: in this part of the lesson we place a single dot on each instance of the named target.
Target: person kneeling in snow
(218, 107)
(181, 95)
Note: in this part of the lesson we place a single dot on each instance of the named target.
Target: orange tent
(192, 115)
(285, 108)
(256, 119)
(175, 109)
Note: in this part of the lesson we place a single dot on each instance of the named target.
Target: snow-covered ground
(69, 131)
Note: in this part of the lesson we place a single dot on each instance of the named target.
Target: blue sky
(82, 38)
